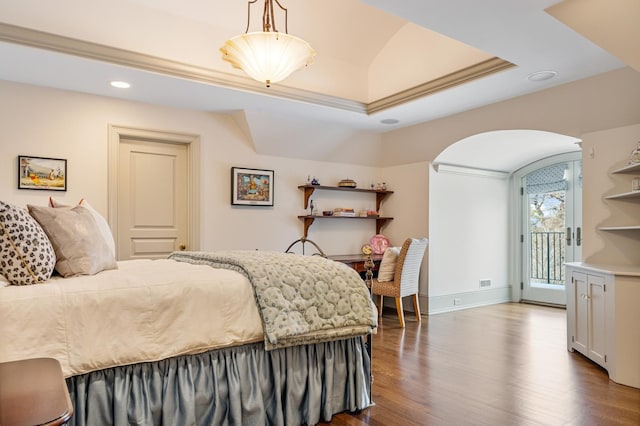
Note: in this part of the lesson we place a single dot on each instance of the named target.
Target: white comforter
(144, 311)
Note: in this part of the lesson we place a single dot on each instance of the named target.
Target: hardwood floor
(504, 364)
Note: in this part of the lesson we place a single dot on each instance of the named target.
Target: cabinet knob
(182, 247)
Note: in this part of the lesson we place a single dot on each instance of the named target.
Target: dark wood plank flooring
(504, 364)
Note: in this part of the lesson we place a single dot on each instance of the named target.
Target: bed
(228, 337)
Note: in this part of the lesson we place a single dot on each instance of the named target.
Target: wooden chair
(405, 279)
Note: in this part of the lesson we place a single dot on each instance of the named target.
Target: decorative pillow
(26, 255)
(79, 246)
(105, 230)
(387, 268)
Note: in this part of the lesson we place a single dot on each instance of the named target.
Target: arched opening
(474, 214)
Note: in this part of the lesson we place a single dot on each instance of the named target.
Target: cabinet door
(581, 314)
(597, 320)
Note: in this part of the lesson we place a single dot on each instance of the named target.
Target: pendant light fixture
(268, 56)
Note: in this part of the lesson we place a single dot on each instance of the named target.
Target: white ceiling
(168, 51)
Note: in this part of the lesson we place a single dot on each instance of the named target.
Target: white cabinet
(603, 317)
(587, 331)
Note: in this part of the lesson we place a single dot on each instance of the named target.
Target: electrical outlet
(485, 283)
(457, 301)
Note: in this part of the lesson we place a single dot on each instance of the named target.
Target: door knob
(182, 247)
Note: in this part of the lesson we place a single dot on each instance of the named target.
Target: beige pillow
(76, 238)
(105, 230)
(387, 268)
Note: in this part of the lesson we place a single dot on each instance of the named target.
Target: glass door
(552, 229)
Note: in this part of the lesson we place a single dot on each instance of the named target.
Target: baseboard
(471, 299)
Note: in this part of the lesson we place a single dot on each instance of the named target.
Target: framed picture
(251, 187)
(42, 173)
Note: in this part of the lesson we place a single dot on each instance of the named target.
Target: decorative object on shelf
(347, 183)
(268, 56)
(366, 249)
(327, 213)
(315, 181)
(635, 155)
(311, 208)
(42, 173)
(635, 184)
(379, 243)
(251, 187)
(381, 186)
(344, 212)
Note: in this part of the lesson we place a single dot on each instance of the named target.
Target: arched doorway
(474, 256)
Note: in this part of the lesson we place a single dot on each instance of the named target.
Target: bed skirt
(243, 385)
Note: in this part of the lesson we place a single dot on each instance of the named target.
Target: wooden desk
(356, 261)
(33, 392)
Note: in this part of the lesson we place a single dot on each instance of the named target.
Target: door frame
(192, 142)
(517, 248)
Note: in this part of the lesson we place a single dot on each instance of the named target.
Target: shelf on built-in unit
(620, 228)
(631, 168)
(632, 194)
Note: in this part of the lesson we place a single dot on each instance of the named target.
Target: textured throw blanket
(302, 299)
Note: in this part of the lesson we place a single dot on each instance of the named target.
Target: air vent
(485, 283)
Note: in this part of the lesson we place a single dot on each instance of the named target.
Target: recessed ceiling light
(389, 121)
(541, 75)
(120, 84)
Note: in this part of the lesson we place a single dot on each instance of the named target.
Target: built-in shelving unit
(632, 196)
(308, 220)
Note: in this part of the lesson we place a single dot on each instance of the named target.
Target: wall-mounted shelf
(380, 197)
(308, 190)
(380, 221)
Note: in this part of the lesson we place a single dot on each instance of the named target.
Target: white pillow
(76, 240)
(103, 226)
(387, 268)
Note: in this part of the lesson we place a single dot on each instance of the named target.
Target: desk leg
(368, 264)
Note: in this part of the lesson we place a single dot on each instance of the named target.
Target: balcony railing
(547, 257)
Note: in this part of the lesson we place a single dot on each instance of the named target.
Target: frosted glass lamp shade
(269, 57)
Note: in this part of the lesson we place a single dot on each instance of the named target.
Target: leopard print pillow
(26, 254)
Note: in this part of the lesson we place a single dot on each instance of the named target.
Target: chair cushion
(387, 268)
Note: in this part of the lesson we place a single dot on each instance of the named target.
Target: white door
(152, 205)
(552, 229)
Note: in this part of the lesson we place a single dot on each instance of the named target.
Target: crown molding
(456, 78)
(85, 49)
